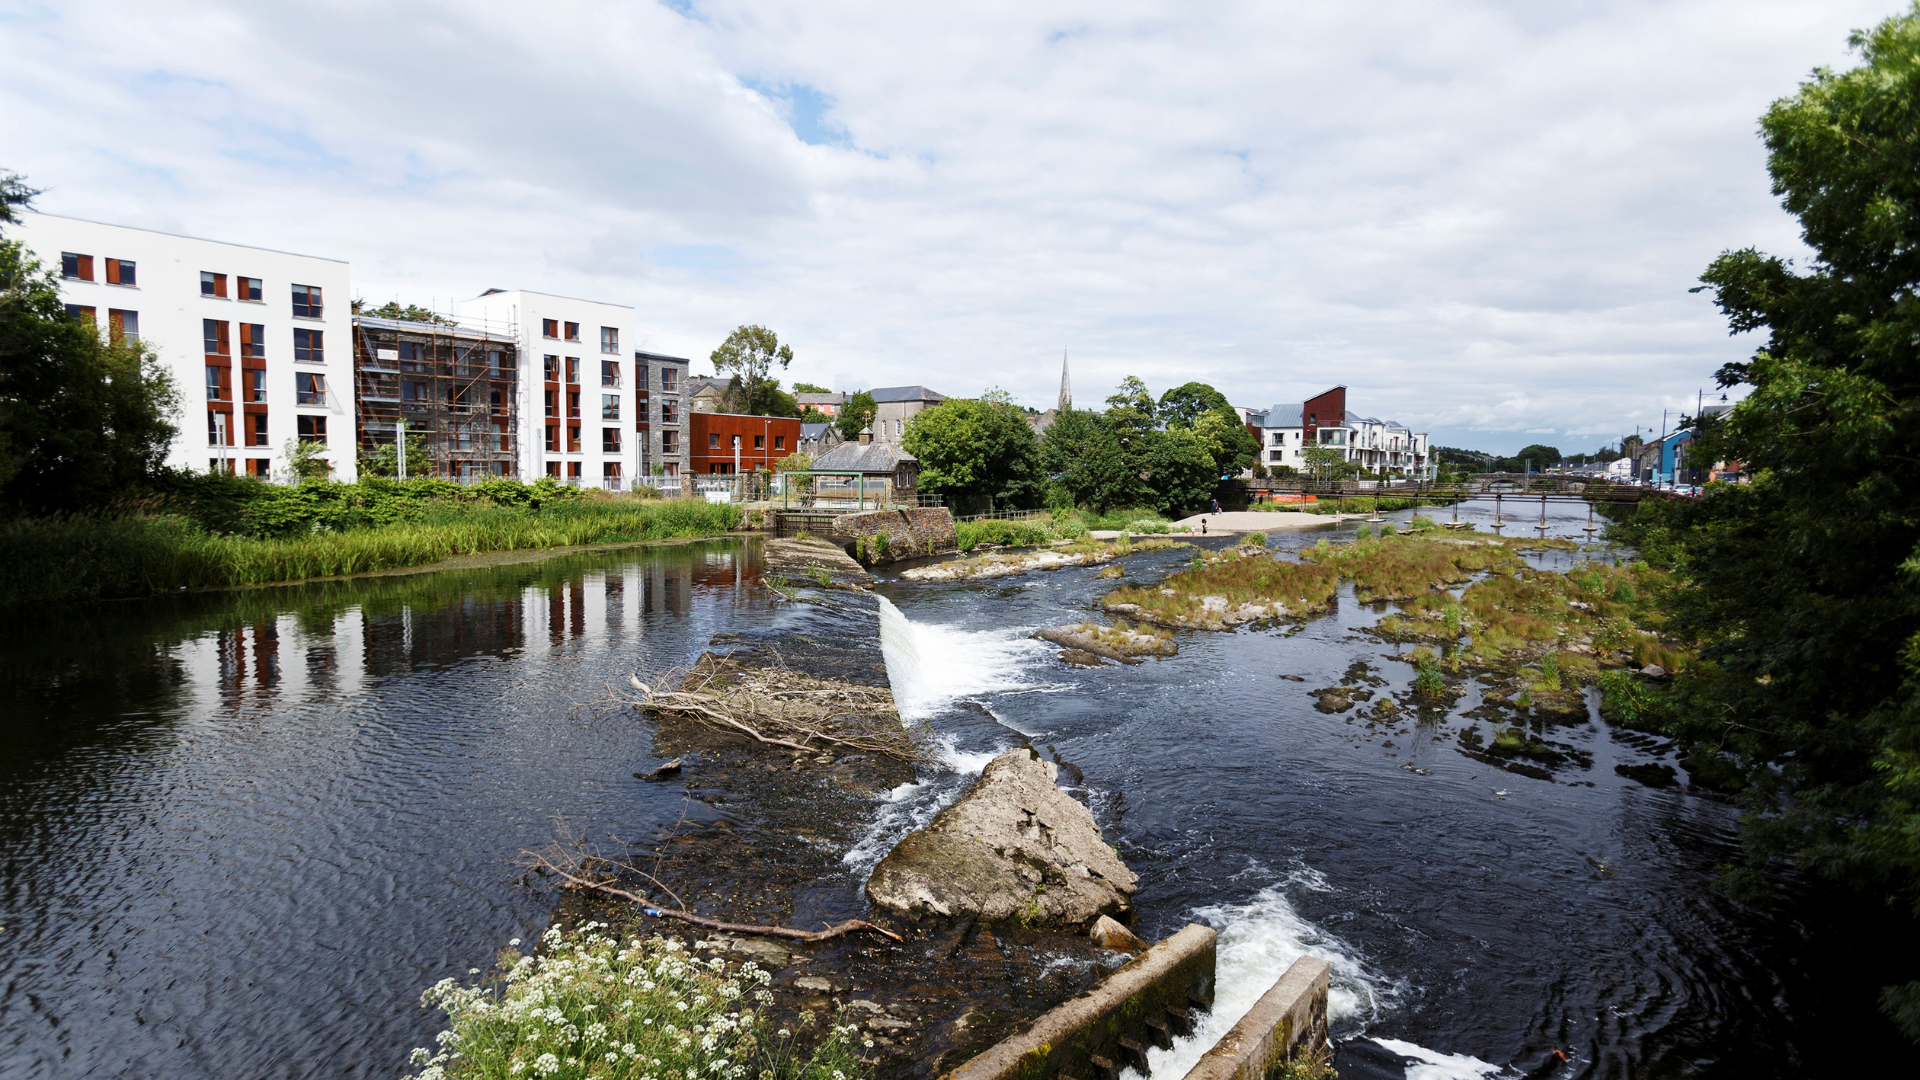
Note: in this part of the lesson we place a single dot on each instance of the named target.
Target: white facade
(578, 400)
(259, 342)
(1282, 446)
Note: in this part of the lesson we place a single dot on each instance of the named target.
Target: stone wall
(926, 530)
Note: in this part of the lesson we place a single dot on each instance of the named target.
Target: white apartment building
(259, 342)
(578, 398)
(1375, 445)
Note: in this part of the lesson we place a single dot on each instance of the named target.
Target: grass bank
(1058, 525)
(107, 557)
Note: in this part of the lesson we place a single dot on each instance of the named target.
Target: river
(240, 833)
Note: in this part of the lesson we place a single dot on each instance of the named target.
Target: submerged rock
(1015, 847)
(1111, 935)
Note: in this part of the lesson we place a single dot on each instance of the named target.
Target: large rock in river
(1015, 847)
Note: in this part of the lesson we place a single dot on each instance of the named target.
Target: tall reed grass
(102, 557)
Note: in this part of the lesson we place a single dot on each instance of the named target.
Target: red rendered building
(763, 441)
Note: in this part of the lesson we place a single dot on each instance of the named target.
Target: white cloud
(1481, 217)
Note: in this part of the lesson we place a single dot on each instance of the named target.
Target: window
(573, 331)
(413, 391)
(550, 369)
(82, 311)
(759, 442)
(573, 439)
(610, 339)
(573, 470)
(76, 267)
(215, 333)
(493, 363)
(313, 429)
(216, 383)
(573, 369)
(253, 341)
(573, 404)
(257, 385)
(609, 373)
(669, 378)
(553, 468)
(248, 288)
(257, 467)
(120, 272)
(713, 441)
(257, 429)
(669, 412)
(779, 442)
(308, 346)
(669, 442)
(306, 301)
(123, 326)
(553, 442)
(550, 328)
(212, 284)
(610, 440)
(609, 406)
(310, 388)
(553, 403)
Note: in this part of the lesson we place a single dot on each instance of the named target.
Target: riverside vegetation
(591, 1005)
(222, 532)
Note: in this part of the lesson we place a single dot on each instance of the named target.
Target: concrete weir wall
(1288, 1020)
(1096, 1034)
(926, 530)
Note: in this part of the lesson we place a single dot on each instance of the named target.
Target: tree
(857, 413)
(1181, 471)
(411, 313)
(811, 415)
(1233, 447)
(1536, 457)
(1131, 417)
(1803, 585)
(1183, 405)
(1082, 456)
(385, 461)
(1328, 463)
(305, 462)
(978, 452)
(750, 353)
(82, 419)
(768, 400)
(809, 388)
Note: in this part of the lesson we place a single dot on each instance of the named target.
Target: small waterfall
(931, 665)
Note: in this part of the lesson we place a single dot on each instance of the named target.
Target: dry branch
(779, 707)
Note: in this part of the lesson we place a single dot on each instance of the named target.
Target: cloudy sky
(1482, 217)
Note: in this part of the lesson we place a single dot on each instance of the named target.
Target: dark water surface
(240, 834)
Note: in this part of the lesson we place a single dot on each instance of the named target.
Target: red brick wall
(781, 435)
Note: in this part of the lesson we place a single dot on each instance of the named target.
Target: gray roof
(904, 393)
(821, 399)
(871, 458)
(810, 432)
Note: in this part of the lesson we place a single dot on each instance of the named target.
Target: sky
(1483, 218)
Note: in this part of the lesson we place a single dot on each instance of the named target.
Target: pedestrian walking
(1216, 506)
(1203, 526)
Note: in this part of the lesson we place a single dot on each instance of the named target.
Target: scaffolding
(454, 383)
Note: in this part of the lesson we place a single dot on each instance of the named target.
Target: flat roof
(642, 355)
(548, 295)
(184, 236)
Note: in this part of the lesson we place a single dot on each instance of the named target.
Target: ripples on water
(240, 834)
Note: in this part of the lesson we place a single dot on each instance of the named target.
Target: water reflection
(239, 833)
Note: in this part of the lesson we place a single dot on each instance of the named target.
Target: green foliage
(1184, 405)
(1180, 471)
(1028, 533)
(1536, 457)
(410, 313)
(101, 557)
(1231, 445)
(749, 354)
(1428, 682)
(1803, 586)
(590, 1005)
(83, 420)
(809, 388)
(1082, 454)
(977, 452)
(856, 414)
(811, 415)
(1327, 463)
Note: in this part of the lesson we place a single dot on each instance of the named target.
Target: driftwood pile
(781, 707)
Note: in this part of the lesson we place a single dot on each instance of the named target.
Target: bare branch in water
(777, 706)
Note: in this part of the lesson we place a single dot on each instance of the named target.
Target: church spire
(1066, 388)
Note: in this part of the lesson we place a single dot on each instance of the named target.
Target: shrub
(1429, 683)
(589, 1006)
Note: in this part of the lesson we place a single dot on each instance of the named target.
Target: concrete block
(1289, 1019)
(1091, 1036)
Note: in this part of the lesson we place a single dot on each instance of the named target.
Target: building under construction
(454, 385)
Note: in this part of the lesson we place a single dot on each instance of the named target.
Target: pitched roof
(821, 399)
(904, 393)
(811, 432)
(871, 458)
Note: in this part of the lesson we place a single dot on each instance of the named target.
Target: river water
(239, 834)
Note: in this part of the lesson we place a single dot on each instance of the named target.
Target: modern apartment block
(456, 387)
(258, 341)
(1378, 446)
(576, 383)
(660, 417)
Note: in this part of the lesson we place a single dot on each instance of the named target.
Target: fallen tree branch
(649, 910)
